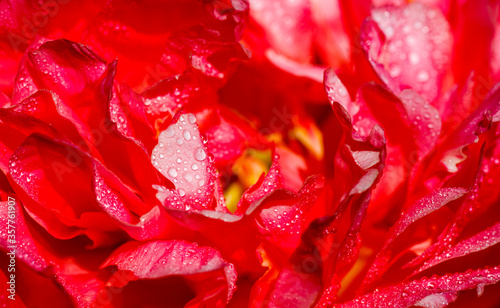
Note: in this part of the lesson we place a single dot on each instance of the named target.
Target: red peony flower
(262, 154)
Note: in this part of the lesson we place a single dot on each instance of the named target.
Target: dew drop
(181, 192)
(394, 71)
(186, 134)
(199, 154)
(179, 141)
(191, 118)
(201, 182)
(414, 58)
(172, 172)
(423, 76)
(194, 167)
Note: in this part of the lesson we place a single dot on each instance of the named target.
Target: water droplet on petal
(199, 154)
(423, 76)
(191, 118)
(187, 135)
(414, 58)
(172, 172)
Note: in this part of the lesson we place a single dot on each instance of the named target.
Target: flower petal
(170, 258)
(427, 292)
(53, 64)
(409, 46)
(182, 157)
(288, 27)
(418, 210)
(25, 246)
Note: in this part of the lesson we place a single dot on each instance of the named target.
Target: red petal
(288, 27)
(450, 154)
(281, 222)
(166, 97)
(203, 50)
(168, 258)
(294, 289)
(34, 289)
(53, 64)
(417, 211)
(474, 34)
(128, 112)
(54, 181)
(15, 301)
(477, 242)
(462, 216)
(427, 292)
(265, 185)
(26, 249)
(225, 141)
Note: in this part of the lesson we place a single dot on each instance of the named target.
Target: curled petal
(159, 259)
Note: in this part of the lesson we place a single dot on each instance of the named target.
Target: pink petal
(182, 157)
